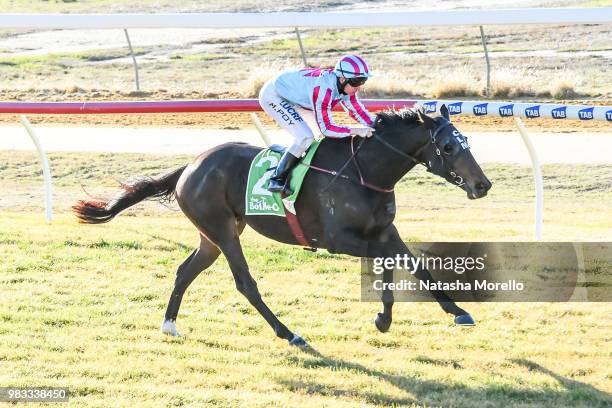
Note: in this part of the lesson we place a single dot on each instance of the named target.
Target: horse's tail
(99, 211)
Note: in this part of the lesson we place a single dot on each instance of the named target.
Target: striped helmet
(352, 66)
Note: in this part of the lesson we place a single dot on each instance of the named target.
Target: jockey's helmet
(352, 66)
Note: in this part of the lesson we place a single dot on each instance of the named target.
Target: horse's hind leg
(224, 231)
(200, 259)
(248, 287)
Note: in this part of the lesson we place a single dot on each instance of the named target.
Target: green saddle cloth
(260, 201)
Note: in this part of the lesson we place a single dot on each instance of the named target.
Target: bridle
(413, 158)
(456, 178)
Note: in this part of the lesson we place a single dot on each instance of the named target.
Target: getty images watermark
(493, 272)
(458, 265)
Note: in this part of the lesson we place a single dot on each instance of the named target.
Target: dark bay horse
(350, 213)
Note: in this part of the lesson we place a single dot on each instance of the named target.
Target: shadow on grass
(435, 393)
(570, 385)
(177, 244)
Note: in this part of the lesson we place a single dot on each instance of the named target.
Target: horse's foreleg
(383, 320)
(200, 259)
(349, 243)
(446, 303)
(384, 247)
(396, 246)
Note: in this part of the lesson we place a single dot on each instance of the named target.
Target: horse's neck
(382, 166)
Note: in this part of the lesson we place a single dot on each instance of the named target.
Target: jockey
(315, 91)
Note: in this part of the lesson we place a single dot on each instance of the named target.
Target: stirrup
(278, 182)
(277, 187)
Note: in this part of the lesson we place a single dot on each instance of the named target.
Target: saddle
(260, 201)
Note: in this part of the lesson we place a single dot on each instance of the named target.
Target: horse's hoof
(297, 341)
(169, 327)
(382, 323)
(464, 320)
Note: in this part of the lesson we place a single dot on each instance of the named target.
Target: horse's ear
(444, 112)
(426, 120)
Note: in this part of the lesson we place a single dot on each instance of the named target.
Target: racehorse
(346, 205)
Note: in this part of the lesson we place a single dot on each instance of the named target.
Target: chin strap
(341, 86)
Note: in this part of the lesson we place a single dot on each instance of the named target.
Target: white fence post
(486, 52)
(297, 32)
(127, 37)
(260, 129)
(537, 177)
(45, 166)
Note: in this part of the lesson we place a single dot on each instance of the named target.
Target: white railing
(320, 20)
(529, 110)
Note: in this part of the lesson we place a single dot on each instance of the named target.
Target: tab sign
(481, 110)
(559, 113)
(505, 111)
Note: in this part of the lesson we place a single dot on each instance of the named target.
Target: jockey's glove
(362, 131)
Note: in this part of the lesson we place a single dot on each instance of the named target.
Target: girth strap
(296, 229)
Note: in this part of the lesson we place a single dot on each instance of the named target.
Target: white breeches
(289, 116)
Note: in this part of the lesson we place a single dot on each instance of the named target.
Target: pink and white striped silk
(317, 90)
(352, 66)
(323, 104)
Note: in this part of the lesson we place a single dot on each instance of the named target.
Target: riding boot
(279, 178)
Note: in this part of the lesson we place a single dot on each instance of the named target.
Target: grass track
(81, 305)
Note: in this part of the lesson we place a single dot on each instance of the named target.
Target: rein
(361, 180)
(398, 151)
(338, 173)
(353, 158)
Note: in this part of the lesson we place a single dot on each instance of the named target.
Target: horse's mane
(391, 118)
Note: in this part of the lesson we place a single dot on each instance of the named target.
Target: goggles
(356, 82)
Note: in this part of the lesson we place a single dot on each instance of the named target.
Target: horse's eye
(448, 148)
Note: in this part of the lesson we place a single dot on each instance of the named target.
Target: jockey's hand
(362, 131)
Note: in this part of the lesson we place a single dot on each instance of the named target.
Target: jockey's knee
(264, 92)
(301, 145)
(306, 142)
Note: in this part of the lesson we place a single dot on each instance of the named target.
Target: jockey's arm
(322, 107)
(353, 106)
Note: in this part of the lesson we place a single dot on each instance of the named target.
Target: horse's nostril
(480, 186)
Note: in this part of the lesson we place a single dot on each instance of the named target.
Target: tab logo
(585, 114)
(430, 106)
(609, 116)
(480, 110)
(505, 111)
(455, 108)
(533, 111)
(559, 113)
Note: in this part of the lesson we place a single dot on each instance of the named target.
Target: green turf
(81, 305)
